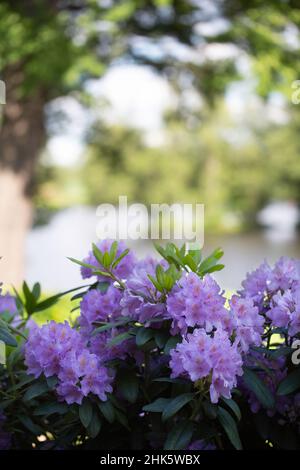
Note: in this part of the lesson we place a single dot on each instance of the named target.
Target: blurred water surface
(70, 233)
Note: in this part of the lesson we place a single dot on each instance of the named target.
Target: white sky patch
(64, 150)
(138, 97)
(67, 125)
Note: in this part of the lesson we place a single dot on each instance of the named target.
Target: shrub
(156, 350)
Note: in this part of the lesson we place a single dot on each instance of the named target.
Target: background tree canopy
(51, 49)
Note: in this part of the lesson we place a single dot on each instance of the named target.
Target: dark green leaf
(176, 404)
(107, 410)
(229, 426)
(161, 337)
(35, 390)
(109, 326)
(290, 384)
(143, 336)
(7, 337)
(30, 425)
(50, 408)
(85, 412)
(158, 405)
(44, 304)
(233, 406)
(171, 344)
(258, 387)
(128, 385)
(119, 339)
(95, 426)
(180, 436)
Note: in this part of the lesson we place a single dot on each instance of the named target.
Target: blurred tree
(50, 48)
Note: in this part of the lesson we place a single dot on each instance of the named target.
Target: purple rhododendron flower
(99, 306)
(266, 281)
(285, 311)
(56, 349)
(140, 300)
(196, 302)
(246, 321)
(213, 358)
(122, 270)
(8, 304)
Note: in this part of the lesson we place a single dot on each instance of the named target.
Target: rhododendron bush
(157, 357)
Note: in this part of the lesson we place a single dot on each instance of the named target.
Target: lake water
(71, 232)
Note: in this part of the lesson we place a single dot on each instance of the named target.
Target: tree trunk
(22, 136)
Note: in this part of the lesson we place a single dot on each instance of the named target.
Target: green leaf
(36, 290)
(119, 339)
(113, 251)
(210, 261)
(50, 409)
(161, 337)
(30, 425)
(180, 436)
(24, 380)
(258, 387)
(106, 260)
(171, 344)
(121, 417)
(155, 283)
(210, 409)
(143, 336)
(109, 326)
(290, 384)
(171, 381)
(157, 406)
(128, 385)
(229, 426)
(30, 300)
(107, 410)
(7, 337)
(217, 267)
(176, 404)
(85, 412)
(52, 381)
(50, 301)
(97, 253)
(35, 390)
(94, 427)
(233, 406)
(119, 259)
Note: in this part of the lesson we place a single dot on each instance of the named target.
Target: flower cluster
(276, 292)
(122, 270)
(196, 302)
(213, 358)
(141, 301)
(99, 306)
(273, 372)
(246, 322)
(285, 310)
(58, 350)
(8, 303)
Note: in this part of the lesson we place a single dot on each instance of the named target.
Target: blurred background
(160, 100)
